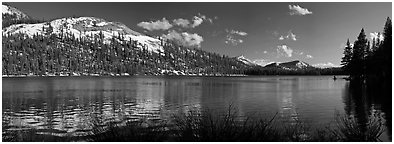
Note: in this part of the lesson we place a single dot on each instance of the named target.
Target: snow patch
(84, 27)
(13, 11)
(245, 60)
(325, 65)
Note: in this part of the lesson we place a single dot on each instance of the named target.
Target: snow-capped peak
(241, 57)
(325, 65)
(246, 61)
(291, 65)
(13, 11)
(86, 27)
(302, 64)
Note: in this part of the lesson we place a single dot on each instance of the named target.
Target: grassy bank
(212, 127)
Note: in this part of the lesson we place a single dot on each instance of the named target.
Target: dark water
(69, 105)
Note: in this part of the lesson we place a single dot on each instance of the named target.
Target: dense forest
(364, 59)
(67, 55)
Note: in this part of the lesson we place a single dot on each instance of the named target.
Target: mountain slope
(76, 46)
(293, 65)
(11, 15)
(8, 10)
(86, 28)
(326, 65)
(246, 61)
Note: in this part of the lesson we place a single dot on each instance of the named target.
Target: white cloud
(265, 52)
(298, 10)
(210, 20)
(163, 24)
(309, 56)
(241, 33)
(185, 39)
(291, 36)
(301, 53)
(325, 65)
(376, 35)
(232, 37)
(284, 49)
(196, 21)
(181, 22)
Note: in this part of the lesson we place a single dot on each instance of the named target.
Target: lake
(69, 105)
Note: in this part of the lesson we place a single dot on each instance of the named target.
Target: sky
(263, 32)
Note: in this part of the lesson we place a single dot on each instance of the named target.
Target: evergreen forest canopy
(67, 55)
(364, 59)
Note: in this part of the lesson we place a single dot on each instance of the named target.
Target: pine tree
(357, 62)
(386, 49)
(347, 58)
(387, 41)
(367, 51)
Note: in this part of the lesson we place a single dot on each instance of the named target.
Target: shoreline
(192, 75)
(195, 75)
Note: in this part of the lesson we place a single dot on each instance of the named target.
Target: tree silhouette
(347, 58)
(357, 60)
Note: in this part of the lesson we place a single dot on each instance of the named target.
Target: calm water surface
(70, 105)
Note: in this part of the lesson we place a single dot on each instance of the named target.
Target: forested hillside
(68, 55)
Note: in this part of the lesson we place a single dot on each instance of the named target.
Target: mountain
(86, 28)
(293, 65)
(11, 15)
(75, 46)
(326, 65)
(246, 61)
(17, 14)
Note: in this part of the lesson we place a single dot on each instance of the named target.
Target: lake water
(69, 105)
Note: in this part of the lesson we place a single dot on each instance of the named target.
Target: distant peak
(296, 64)
(241, 57)
(6, 9)
(246, 61)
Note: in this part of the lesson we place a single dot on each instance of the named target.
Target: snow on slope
(325, 65)
(245, 60)
(13, 11)
(302, 64)
(86, 27)
(291, 65)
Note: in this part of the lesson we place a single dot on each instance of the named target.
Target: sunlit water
(70, 105)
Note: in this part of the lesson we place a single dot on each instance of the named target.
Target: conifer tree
(347, 58)
(387, 41)
(357, 62)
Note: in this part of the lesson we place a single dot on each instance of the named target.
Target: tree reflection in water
(364, 99)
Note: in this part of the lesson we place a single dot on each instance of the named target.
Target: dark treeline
(65, 54)
(369, 65)
(369, 60)
(281, 71)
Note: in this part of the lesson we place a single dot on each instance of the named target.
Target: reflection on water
(363, 100)
(70, 105)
